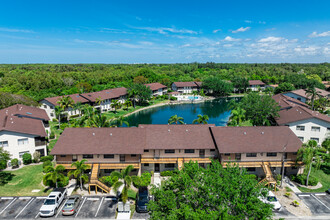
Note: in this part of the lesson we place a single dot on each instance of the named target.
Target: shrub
(36, 157)
(107, 180)
(172, 98)
(287, 194)
(14, 162)
(27, 158)
(63, 182)
(55, 120)
(278, 177)
(252, 176)
(295, 203)
(45, 158)
(52, 135)
(143, 180)
(166, 173)
(301, 179)
(47, 163)
(64, 125)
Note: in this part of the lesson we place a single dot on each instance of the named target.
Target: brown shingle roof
(185, 84)
(255, 139)
(299, 113)
(155, 86)
(256, 83)
(75, 97)
(23, 119)
(302, 93)
(105, 94)
(178, 136)
(287, 102)
(100, 141)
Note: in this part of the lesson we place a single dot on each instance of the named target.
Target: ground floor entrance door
(157, 169)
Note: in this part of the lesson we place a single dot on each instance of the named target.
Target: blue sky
(164, 31)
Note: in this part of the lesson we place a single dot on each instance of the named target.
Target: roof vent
(186, 129)
(93, 134)
(244, 133)
(262, 132)
(110, 134)
(169, 130)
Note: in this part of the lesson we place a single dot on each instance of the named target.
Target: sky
(180, 31)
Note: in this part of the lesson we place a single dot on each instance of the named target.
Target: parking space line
(60, 210)
(24, 207)
(99, 207)
(320, 201)
(7, 198)
(22, 198)
(304, 195)
(41, 197)
(80, 207)
(8, 205)
(93, 199)
(320, 194)
(37, 215)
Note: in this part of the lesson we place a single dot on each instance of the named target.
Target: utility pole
(282, 176)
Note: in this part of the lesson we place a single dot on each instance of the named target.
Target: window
(23, 141)
(51, 107)
(299, 99)
(328, 129)
(294, 153)
(212, 150)
(52, 114)
(3, 143)
(88, 156)
(133, 155)
(251, 155)
(122, 158)
(108, 156)
(315, 139)
(45, 106)
(271, 154)
(300, 128)
(301, 138)
(189, 151)
(21, 153)
(317, 129)
(63, 156)
(146, 164)
(169, 165)
(227, 154)
(251, 169)
(169, 151)
(146, 151)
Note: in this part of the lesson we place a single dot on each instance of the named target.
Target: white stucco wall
(307, 134)
(49, 108)
(14, 149)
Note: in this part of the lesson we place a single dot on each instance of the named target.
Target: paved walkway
(291, 185)
(71, 186)
(157, 179)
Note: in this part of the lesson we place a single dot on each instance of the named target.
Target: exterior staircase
(269, 179)
(95, 182)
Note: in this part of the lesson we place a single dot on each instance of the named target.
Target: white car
(271, 199)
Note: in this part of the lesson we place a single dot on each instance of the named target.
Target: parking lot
(28, 208)
(318, 203)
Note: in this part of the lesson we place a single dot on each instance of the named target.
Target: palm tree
(123, 179)
(78, 172)
(313, 93)
(119, 121)
(99, 121)
(127, 103)
(78, 106)
(175, 120)
(132, 93)
(65, 103)
(202, 119)
(54, 174)
(237, 116)
(307, 154)
(58, 112)
(115, 104)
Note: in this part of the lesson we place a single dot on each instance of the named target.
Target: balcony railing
(40, 143)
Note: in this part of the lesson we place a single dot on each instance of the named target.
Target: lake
(217, 110)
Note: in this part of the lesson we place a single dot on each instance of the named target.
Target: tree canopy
(209, 193)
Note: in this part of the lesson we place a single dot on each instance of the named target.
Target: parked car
(53, 202)
(142, 199)
(271, 199)
(71, 205)
(328, 191)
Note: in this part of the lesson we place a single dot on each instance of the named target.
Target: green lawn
(322, 177)
(21, 182)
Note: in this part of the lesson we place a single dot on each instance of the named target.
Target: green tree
(99, 121)
(201, 119)
(53, 175)
(140, 79)
(175, 119)
(284, 87)
(84, 87)
(127, 103)
(240, 83)
(237, 116)
(209, 193)
(307, 154)
(143, 93)
(217, 86)
(120, 121)
(132, 94)
(4, 158)
(123, 178)
(313, 93)
(65, 103)
(78, 172)
(115, 104)
(259, 109)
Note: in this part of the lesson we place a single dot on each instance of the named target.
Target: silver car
(71, 205)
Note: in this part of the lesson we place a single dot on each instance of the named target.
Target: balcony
(40, 143)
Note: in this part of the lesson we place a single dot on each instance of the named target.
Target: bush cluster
(143, 180)
(108, 180)
(167, 173)
(27, 158)
(45, 158)
(301, 179)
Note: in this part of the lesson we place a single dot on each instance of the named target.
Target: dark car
(328, 191)
(142, 199)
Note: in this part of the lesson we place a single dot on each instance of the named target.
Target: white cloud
(310, 50)
(166, 30)
(16, 30)
(241, 29)
(270, 39)
(323, 34)
(217, 30)
(262, 22)
(248, 21)
(228, 38)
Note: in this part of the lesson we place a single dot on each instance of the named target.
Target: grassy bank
(322, 177)
(21, 182)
